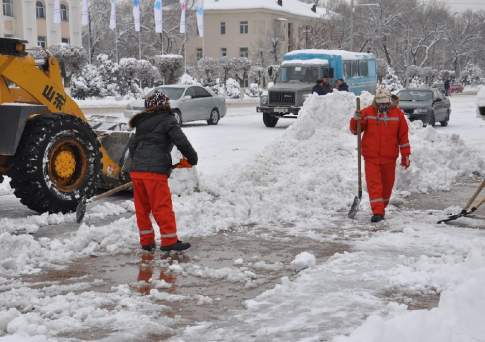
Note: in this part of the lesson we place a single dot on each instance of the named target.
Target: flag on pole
(85, 13)
(157, 8)
(57, 12)
(112, 19)
(199, 10)
(136, 14)
(183, 7)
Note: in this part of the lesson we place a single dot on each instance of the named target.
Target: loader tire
(57, 162)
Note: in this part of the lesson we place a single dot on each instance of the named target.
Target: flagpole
(116, 45)
(89, 39)
(185, 52)
(139, 44)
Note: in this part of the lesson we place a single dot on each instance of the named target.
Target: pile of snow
(437, 160)
(304, 260)
(458, 317)
(310, 172)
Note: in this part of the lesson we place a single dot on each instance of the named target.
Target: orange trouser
(380, 181)
(152, 195)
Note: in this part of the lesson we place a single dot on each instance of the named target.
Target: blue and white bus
(299, 72)
(358, 69)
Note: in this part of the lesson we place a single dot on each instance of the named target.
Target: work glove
(405, 162)
(183, 164)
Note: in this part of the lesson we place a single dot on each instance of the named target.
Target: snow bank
(458, 317)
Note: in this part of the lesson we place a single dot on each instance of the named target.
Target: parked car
(192, 103)
(426, 104)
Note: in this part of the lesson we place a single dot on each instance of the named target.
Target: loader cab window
(7, 8)
(64, 13)
(40, 10)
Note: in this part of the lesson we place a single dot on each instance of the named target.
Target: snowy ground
(274, 257)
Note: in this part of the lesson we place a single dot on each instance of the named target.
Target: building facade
(262, 31)
(32, 20)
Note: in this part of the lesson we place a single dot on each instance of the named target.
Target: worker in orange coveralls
(385, 135)
(157, 131)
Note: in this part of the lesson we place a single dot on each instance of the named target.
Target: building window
(64, 13)
(7, 8)
(244, 27)
(223, 52)
(65, 41)
(223, 28)
(244, 83)
(42, 41)
(244, 52)
(39, 9)
(199, 54)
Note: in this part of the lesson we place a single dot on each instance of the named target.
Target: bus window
(363, 68)
(348, 69)
(355, 68)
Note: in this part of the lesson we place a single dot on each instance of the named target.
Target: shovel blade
(354, 208)
(81, 210)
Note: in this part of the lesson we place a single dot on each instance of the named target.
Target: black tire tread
(270, 120)
(27, 171)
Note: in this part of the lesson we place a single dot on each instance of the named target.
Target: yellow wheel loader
(47, 148)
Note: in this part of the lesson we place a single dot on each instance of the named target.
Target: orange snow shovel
(466, 211)
(83, 203)
(356, 204)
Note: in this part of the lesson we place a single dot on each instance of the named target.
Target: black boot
(377, 218)
(149, 248)
(178, 247)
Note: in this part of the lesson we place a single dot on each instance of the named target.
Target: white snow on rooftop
(294, 7)
(315, 61)
(343, 53)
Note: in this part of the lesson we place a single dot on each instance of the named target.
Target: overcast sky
(463, 5)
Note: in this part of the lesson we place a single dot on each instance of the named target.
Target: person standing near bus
(385, 136)
(341, 85)
(322, 87)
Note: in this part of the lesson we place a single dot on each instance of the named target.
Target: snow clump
(303, 260)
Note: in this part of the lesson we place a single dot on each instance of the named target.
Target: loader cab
(13, 47)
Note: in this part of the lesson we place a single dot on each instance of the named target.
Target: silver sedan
(192, 103)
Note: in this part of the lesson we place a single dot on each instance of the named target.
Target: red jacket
(384, 134)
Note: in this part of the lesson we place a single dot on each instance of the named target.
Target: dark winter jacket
(156, 134)
(322, 89)
(343, 87)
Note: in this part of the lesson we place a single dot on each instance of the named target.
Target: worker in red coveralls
(385, 135)
(157, 131)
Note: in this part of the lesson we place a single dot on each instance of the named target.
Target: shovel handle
(475, 195)
(110, 192)
(359, 147)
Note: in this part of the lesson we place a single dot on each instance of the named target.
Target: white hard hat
(383, 96)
